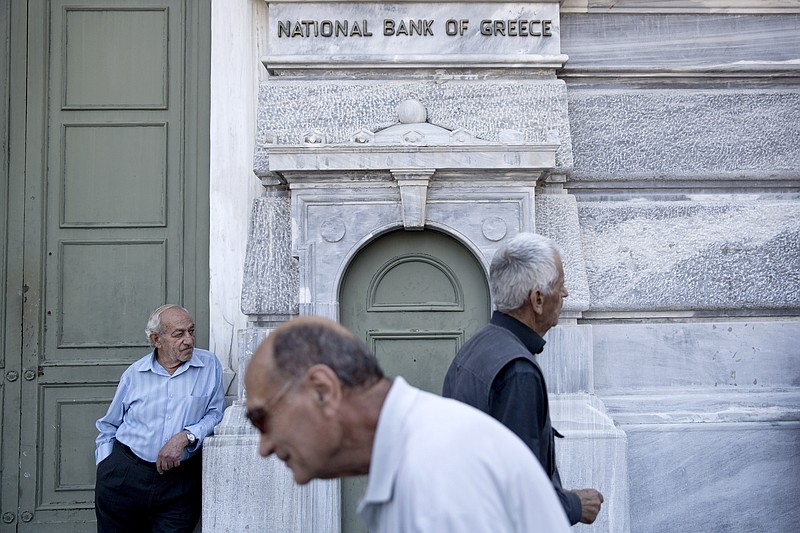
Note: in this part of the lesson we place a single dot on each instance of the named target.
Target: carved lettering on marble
(289, 29)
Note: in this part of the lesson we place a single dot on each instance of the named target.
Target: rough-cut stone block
(557, 218)
(754, 354)
(659, 134)
(270, 273)
(709, 255)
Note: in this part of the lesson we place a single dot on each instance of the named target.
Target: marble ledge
(581, 414)
(704, 406)
(680, 6)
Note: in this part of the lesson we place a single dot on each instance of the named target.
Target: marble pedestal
(242, 491)
(594, 451)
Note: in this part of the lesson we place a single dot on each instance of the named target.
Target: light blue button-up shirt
(151, 406)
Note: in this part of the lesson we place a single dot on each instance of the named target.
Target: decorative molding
(412, 148)
(413, 195)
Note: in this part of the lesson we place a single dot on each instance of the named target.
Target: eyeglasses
(260, 417)
(275, 399)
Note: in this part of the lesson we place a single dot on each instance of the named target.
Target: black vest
(469, 379)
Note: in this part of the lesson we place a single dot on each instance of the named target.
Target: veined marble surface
(680, 6)
(753, 354)
(656, 42)
(692, 253)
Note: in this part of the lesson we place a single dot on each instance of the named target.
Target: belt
(127, 451)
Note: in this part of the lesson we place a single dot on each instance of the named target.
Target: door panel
(421, 357)
(112, 222)
(414, 298)
(116, 54)
(12, 122)
(124, 165)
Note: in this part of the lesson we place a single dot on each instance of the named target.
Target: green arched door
(414, 297)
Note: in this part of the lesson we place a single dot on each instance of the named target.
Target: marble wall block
(657, 134)
(270, 273)
(753, 354)
(727, 254)
(288, 110)
(567, 359)
(730, 477)
(710, 42)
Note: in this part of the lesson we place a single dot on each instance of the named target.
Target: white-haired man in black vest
(496, 370)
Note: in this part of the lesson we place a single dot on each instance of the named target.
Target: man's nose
(265, 446)
(564, 292)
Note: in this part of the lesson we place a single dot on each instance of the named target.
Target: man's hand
(591, 500)
(170, 455)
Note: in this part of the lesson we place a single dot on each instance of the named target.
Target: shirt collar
(532, 340)
(150, 364)
(387, 450)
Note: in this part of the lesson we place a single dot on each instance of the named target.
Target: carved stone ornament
(411, 144)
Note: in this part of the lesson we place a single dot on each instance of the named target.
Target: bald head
(314, 392)
(295, 346)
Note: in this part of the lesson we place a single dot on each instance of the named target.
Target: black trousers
(132, 497)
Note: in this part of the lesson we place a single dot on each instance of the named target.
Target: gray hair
(300, 344)
(154, 325)
(524, 263)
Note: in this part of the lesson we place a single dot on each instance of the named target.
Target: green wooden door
(415, 298)
(113, 223)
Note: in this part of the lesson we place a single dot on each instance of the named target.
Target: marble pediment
(412, 144)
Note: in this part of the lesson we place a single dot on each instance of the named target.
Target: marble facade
(659, 145)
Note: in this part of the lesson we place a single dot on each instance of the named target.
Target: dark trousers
(132, 497)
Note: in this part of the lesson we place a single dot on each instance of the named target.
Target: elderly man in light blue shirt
(323, 406)
(149, 469)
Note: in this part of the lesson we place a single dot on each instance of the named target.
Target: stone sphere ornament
(411, 112)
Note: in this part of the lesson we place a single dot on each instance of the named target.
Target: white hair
(525, 263)
(154, 325)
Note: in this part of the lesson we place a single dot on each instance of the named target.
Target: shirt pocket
(196, 409)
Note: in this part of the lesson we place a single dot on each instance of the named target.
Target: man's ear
(154, 340)
(537, 301)
(325, 386)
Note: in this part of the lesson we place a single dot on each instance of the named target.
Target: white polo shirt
(441, 466)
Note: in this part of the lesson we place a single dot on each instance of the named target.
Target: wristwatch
(192, 438)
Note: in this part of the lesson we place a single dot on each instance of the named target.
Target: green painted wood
(11, 198)
(117, 56)
(113, 218)
(414, 298)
